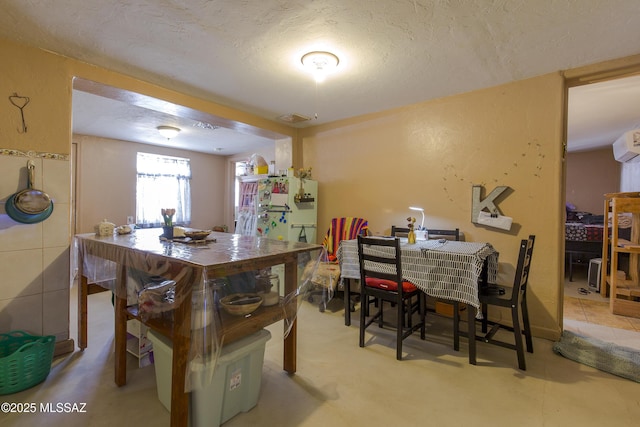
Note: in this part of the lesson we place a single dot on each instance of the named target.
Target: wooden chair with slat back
(513, 298)
(381, 273)
(444, 234)
(432, 232)
(399, 231)
(453, 234)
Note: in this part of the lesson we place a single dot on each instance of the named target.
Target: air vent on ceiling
(203, 125)
(294, 118)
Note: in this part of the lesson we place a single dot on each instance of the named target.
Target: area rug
(605, 356)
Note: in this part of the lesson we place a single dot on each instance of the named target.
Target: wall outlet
(129, 220)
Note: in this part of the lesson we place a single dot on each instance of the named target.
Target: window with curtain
(163, 183)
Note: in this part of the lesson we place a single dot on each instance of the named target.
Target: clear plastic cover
(157, 299)
(160, 277)
(205, 342)
(318, 276)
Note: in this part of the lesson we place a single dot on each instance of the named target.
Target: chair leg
(517, 334)
(485, 318)
(527, 326)
(456, 326)
(363, 319)
(409, 313)
(399, 329)
(422, 308)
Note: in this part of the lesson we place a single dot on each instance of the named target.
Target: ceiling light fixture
(168, 131)
(320, 63)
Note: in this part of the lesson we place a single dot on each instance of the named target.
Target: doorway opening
(599, 110)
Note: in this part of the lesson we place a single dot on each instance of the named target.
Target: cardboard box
(446, 309)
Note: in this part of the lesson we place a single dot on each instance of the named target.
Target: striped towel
(343, 229)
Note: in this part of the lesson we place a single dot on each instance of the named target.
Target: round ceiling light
(320, 63)
(168, 131)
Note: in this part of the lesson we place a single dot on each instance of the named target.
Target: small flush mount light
(168, 131)
(320, 63)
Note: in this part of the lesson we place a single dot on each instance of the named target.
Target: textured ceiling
(246, 54)
(600, 113)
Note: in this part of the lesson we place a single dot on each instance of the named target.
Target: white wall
(34, 258)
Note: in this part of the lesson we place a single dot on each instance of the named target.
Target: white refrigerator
(282, 208)
(278, 208)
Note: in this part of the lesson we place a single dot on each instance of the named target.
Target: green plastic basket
(25, 360)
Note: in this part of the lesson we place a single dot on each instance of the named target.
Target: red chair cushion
(389, 285)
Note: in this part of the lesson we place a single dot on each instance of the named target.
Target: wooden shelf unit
(624, 293)
(137, 342)
(606, 240)
(233, 327)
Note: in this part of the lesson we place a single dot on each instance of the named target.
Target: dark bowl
(197, 234)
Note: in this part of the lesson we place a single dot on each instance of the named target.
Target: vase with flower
(167, 228)
(411, 237)
(303, 174)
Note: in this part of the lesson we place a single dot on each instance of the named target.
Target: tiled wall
(34, 258)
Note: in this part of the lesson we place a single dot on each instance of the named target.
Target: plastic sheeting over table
(156, 277)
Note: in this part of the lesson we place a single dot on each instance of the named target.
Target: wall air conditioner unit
(627, 147)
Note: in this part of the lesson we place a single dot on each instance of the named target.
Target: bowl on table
(197, 234)
(241, 304)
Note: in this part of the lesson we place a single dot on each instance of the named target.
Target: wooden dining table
(105, 261)
(446, 269)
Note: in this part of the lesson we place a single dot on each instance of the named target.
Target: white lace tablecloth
(442, 269)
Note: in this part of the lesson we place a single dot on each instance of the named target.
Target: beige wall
(430, 155)
(34, 258)
(44, 78)
(590, 175)
(107, 176)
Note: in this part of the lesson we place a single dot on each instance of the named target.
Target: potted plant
(167, 228)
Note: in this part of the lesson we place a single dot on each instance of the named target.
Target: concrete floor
(339, 384)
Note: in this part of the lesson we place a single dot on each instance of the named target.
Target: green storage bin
(235, 386)
(25, 360)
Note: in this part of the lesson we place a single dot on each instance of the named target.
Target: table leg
(83, 292)
(181, 347)
(347, 301)
(179, 399)
(471, 332)
(571, 266)
(290, 342)
(121, 327)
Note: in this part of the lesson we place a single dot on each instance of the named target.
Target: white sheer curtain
(163, 182)
(630, 176)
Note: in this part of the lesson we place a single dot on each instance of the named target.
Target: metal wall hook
(20, 102)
